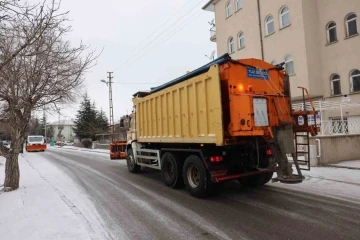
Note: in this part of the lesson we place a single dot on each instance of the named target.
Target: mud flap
(283, 144)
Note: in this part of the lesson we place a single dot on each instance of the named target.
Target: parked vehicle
(60, 143)
(68, 143)
(227, 120)
(35, 143)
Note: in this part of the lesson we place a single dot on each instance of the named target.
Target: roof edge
(208, 7)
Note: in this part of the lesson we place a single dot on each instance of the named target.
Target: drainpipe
(260, 28)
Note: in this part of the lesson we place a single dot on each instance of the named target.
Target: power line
(163, 32)
(163, 40)
(172, 17)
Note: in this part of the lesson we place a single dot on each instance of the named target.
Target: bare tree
(38, 67)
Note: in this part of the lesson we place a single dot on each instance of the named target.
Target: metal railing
(339, 127)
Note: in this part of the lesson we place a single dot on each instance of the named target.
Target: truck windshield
(35, 139)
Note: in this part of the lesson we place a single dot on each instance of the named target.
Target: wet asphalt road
(140, 206)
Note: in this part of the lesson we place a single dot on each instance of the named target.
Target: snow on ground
(71, 148)
(35, 211)
(348, 164)
(48, 205)
(340, 183)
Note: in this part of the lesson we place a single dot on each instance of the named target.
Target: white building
(67, 133)
(317, 39)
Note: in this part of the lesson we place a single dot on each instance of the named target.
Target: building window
(228, 9)
(331, 32)
(269, 25)
(289, 65)
(241, 41)
(339, 125)
(238, 4)
(355, 80)
(284, 17)
(231, 45)
(335, 85)
(351, 25)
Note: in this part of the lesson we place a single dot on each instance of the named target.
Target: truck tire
(267, 177)
(130, 161)
(196, 179)
(171, 171)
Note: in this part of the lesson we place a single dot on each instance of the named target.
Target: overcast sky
(139, 47)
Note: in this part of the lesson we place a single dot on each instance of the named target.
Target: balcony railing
(340, 127)
(213, 34)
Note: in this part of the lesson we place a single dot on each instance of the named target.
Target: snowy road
(139, 206)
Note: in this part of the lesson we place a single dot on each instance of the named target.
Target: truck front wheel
(171, 171)
(130, 161)
(196, 177)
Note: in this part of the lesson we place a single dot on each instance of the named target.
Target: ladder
(302, 132)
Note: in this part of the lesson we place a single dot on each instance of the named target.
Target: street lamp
(108, 83)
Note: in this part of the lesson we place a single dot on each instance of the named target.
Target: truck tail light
(268, 152)
(215, 159)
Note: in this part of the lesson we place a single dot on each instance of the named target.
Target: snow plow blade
(36, 148)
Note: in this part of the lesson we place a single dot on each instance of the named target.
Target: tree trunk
(12, 171)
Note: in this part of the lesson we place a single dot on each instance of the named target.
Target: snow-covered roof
(63, 122)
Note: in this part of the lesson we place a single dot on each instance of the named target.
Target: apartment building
(317, 39)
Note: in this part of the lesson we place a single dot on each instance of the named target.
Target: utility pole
(59, 137)
(44, 117)
(110, 77)
(111, 107)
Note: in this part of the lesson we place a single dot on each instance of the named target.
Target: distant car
(69, 143)
(5, 144)
(59, 143)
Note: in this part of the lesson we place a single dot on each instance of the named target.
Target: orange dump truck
(117, 150)
(227, 120)
(35, 144)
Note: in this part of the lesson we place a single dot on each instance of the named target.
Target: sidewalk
(355, 164)
(35, 210)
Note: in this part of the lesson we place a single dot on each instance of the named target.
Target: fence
(341, 125)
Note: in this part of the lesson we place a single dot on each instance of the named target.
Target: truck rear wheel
(130, 161)
(196, 177)
(267, 177)
(171, 171)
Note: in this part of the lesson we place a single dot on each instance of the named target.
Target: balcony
(213, 34)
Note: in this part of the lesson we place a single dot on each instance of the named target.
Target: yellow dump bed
(187, 112)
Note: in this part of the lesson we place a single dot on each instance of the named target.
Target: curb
(334, 166)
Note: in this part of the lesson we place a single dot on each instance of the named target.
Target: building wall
(67, 132)
(245, 20)
(305, 39)
(343, 56)
(289, 40)
(336, 149)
